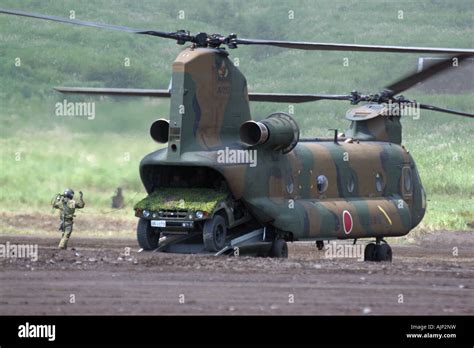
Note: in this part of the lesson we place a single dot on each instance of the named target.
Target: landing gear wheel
(320, 244)
(369, 252)
(383, 252)
(279, 249)
(214, 233)
(378, 252)
(147, 237)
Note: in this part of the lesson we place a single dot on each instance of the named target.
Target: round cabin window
(322, 183)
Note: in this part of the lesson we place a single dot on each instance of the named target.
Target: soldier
(67, 206)
(117, 200)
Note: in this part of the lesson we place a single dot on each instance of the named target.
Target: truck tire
(146, 236)
(279, 249)
(214, 233)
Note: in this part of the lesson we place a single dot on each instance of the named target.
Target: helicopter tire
(320, 244)
(383, 252)
(279, 249)
(214, 233)
(147, 238)
(369, 252)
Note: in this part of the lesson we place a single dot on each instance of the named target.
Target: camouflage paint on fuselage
(364, 178)
(208, 101)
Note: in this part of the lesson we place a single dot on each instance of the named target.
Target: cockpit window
(407, 179)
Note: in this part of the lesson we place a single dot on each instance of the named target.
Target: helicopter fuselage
(319, 190)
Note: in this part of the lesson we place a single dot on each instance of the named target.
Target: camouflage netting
(182, 198)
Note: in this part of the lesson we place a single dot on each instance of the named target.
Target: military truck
(174, 211)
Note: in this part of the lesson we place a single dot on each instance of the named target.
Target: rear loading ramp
(238, 244)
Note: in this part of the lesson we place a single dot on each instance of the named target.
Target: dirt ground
(98, 276)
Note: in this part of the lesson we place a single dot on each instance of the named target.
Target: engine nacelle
(278, 132)
(159, 130)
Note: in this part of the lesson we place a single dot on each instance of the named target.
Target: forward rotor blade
(127, 92)
(294, 98)
(351, 47)
(182, 37)
(88, 23)
(448, 111)
(413, 79)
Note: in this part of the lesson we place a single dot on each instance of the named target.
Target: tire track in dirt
(105, 279)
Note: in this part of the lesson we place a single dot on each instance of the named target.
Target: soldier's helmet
(69, 193)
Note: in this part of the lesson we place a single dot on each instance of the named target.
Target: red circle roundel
(347, 221)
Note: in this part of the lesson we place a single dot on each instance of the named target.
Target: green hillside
(41, 153)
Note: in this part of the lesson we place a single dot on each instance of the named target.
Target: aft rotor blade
(294, 98)
(318, 46)
(88, 23)
(128, 92)
(413, 79)
(448, 111)
(164, 93)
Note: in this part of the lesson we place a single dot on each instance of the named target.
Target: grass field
(41, 154)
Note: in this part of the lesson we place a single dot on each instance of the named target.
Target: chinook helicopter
(362, 183)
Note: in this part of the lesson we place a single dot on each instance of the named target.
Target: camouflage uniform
(67, 206)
